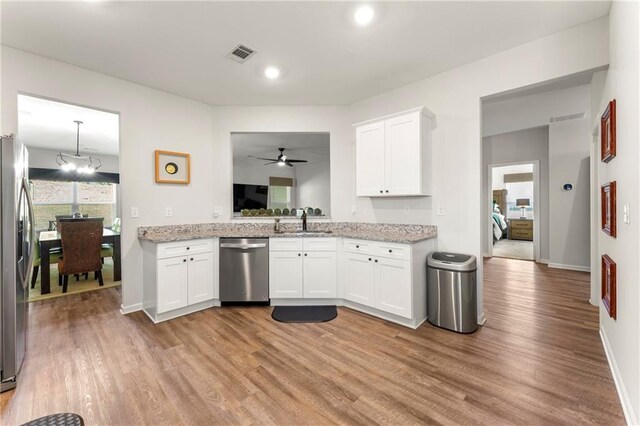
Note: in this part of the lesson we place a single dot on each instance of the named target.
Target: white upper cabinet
(393, 155)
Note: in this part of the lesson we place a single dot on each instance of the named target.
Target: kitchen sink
(302, 233)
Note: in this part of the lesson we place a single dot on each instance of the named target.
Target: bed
(499, 226)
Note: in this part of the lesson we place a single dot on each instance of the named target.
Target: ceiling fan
(282, 159)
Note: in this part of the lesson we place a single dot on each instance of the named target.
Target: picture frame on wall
(608, 208)
(609, 285)
(173, 167)
(608, 133)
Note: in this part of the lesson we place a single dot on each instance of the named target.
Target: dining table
(52, 239)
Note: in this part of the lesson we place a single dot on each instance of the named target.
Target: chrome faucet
(304, 220)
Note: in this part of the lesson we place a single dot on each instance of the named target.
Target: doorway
(514, 210)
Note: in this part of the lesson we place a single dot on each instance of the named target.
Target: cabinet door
(320, 275)
(403, 157)
(359, 279)
(201, 279)
(393, 287)
(370, 162)
(172, 284)
(285, 274)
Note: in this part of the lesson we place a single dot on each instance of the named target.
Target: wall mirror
(277, 174)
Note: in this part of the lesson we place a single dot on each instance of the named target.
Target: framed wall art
(609, 285)
(608, 208)
(173, 167)
(608, 133)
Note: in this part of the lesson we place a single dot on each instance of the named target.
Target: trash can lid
(452, 261)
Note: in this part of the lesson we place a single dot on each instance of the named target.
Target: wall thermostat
(567, 187)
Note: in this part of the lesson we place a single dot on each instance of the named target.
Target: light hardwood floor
(538, 360)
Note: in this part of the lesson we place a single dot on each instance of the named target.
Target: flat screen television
(249, 196)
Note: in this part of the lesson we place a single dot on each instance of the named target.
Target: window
(51, 198)
(280, 197)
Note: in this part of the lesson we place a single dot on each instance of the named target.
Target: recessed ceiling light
(364, 15)
(272, 73)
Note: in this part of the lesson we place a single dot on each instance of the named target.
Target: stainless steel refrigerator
(17, 241)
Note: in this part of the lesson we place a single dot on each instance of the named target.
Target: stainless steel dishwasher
(244, 270)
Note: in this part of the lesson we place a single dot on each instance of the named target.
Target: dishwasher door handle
(242, 246)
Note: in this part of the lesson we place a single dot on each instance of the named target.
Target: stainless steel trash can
(451, 291)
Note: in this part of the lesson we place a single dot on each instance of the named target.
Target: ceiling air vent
(567, 117)
(241, 53)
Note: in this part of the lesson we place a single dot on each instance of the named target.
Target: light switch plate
(626, 214)
(168, 211)
(135, 212)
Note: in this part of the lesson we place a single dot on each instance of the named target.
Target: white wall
(524, 145)
(455, 97)
(149, 120)
(569, 211)
(311, 186)
(525, 112)
(246, 172)
(46, 159)
(622, 336)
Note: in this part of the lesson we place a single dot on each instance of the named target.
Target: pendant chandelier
(81, 164)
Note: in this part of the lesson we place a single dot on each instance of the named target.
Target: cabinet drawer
(360, 246)
(285, 244)
(519, 234)
(182, 248)
(319, 244)
(521, 225)
(394, 251)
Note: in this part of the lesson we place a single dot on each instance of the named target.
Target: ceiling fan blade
(267, 159)
(297, 161)
(273, 162)
(288, 163)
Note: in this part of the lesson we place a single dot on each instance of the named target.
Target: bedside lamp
(523, 203)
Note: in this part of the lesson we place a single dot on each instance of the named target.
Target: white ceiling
(179, 47)
(50, 125)
(313, 147)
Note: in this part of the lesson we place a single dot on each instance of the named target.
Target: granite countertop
(365, 231)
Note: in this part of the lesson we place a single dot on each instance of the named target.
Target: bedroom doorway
(514, 211)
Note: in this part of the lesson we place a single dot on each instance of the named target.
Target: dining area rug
(75, 287)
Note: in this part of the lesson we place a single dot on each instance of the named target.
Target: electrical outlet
(406, 210)
(626, 214)
(135, 212)
(168, 211)
(217, 211)
(440, 210)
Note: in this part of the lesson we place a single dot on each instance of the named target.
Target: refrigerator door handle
(32, 224)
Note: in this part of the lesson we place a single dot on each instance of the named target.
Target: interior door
(359, 278)
(370, 152)
(403, 155)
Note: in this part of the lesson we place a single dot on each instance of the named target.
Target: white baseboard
(570, 267)
(545, 261)
(131, 308)
(627, 408)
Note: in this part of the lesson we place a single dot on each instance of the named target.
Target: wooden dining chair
(81, 245)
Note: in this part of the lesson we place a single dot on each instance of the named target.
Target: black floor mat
(304, 313)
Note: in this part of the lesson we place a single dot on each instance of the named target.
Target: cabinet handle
(376, 260)
(369, 259)
(298, 254)
(192, 259)
(390, 251)
(188, 248)
(305, 254)
(386, 191)
(184, 260)
(381, 191)
(357, 246)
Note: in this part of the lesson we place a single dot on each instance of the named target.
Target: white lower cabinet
(393, 287)
(298, 270)
(179, 278)
(359, 276)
